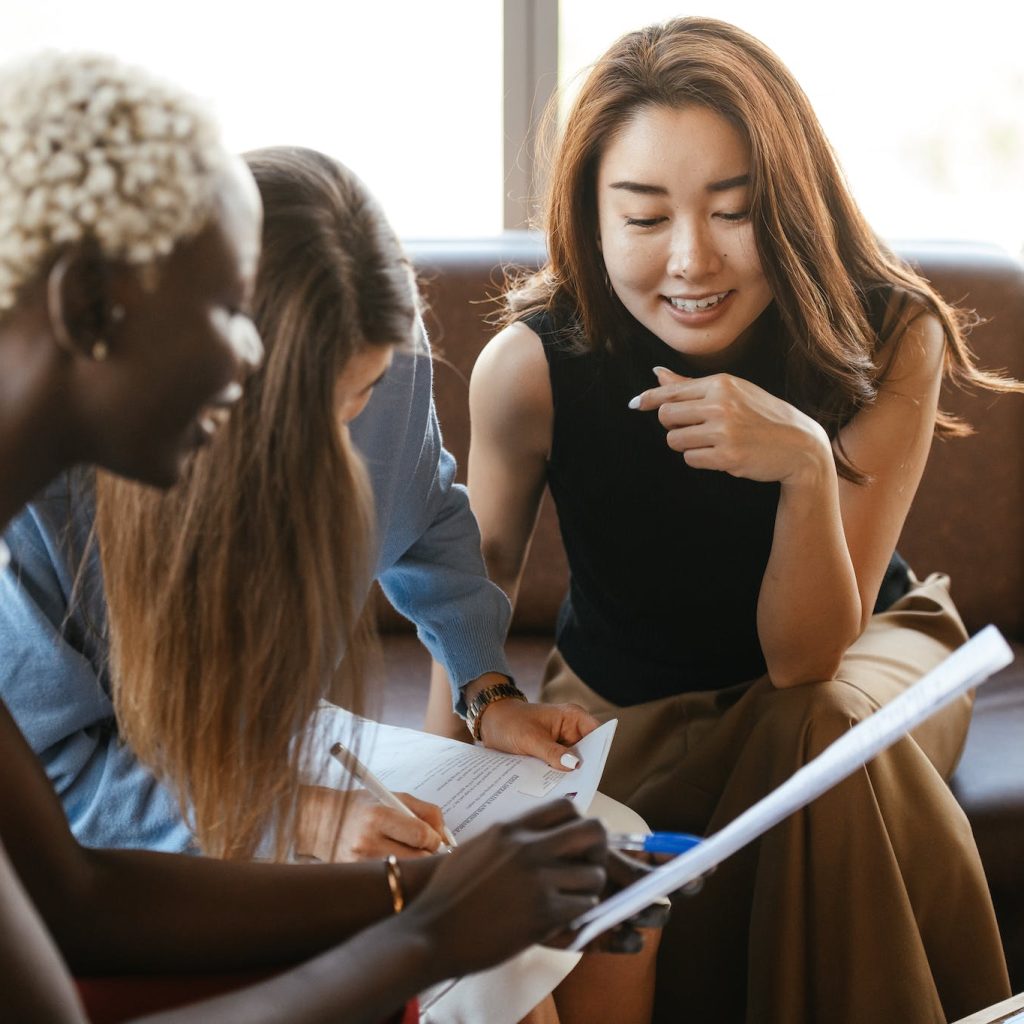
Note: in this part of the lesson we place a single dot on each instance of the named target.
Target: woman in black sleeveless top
(730, 387)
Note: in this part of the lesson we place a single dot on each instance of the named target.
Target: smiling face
(678, 245)
(178, 359)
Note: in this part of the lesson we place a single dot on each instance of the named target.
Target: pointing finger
(667, 376)
(683, 391)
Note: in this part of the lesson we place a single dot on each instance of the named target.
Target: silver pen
(374, 786)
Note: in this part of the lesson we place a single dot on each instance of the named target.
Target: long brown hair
(821, 259)
(232, 598)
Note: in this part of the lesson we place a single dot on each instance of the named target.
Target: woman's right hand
(518, 883)
(338, 826)
(726, 423)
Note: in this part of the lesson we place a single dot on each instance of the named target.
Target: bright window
(406, 93)
(924, 103)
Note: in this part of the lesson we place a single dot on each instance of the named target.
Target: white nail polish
(660, 369)
(634, 403)
(570, 761)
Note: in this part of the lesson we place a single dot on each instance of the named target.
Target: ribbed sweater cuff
(469, 651)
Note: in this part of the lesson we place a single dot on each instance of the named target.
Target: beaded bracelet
(394, 876)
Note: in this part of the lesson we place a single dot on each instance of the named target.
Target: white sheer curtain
(407, 93)
(924, 102)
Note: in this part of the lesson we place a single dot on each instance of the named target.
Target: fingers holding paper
(546, 731)
(532, 874)
(627, 937)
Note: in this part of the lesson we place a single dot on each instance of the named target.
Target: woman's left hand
(546, 731)
(726, 423)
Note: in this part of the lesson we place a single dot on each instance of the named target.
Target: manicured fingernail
(660, 369)
(570, 761)
(634, 403)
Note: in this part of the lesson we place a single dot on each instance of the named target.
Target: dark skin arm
(133, 910)
(33, 979)
(122, 911)
(364, 980)
(534, 874)
(362, 977)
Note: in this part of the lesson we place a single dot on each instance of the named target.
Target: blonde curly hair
(91, 148)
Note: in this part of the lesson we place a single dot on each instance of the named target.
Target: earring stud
(116, 314)
(99, 351)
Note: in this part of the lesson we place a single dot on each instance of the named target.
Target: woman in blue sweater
(423, 549)
(240, 588)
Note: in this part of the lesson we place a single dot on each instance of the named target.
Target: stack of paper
(474, 787)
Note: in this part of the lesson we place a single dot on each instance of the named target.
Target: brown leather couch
(968, 519)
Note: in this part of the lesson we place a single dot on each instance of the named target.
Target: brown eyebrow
(641, 189)
(729, 183)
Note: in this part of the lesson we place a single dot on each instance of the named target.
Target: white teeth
(695, 305)
(213, 419)
(231, 393)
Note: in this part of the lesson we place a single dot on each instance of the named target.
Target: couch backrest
(968, 518)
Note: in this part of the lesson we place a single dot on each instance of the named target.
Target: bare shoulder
(510, 390)
(917, 348)
(515, 358)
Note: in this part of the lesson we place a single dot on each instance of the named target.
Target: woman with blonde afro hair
(124, 341)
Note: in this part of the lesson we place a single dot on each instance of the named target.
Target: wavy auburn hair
(821, 259)
(232, 597)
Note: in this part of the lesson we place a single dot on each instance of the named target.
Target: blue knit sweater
(52, 674)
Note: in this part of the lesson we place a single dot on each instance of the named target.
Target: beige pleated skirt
(869, 906)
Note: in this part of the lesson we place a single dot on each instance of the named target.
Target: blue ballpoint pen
(653, 842)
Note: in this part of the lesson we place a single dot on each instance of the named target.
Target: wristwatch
(499, 691)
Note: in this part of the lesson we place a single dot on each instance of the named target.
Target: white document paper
(965, 668)
(474, 786)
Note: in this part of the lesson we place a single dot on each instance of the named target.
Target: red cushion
(111, 1000)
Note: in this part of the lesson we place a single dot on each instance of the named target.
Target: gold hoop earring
(55, 304)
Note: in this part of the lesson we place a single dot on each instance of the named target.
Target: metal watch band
(486, 697)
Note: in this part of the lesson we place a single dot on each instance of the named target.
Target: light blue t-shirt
(52, 674)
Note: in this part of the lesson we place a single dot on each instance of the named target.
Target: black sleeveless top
(665, 561)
